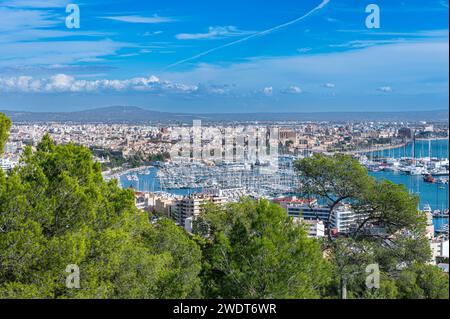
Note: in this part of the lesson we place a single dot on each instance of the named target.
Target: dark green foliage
(421, 281)
(255, 251)
(116, 158)
(389, 230)
(5, 125)
(56, 210)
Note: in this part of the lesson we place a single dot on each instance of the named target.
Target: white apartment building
(6, 164)
(307, 212)
(343, 219)
(315, 228)
(189, 224)
(430, 226)
(11, 148)
(439, 248)
(192, 205)
(166, 205)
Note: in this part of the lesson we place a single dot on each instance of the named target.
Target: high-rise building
(342, 220)
(315, 228)
(192, 205)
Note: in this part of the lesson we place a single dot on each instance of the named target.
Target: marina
(188, 178)
(243, 179)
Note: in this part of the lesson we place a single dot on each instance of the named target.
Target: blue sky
(224, 56)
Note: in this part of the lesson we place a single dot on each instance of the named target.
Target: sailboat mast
(429, 149)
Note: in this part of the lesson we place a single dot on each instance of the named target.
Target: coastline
(380, 148)
(117, 174)
(397, 146)
(433, 139)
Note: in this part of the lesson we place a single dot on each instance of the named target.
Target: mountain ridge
(134, 114)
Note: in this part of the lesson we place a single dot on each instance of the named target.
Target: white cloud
(411, 35)
(140, 19)
(127, 55)
(303, 50)
(27, 33)
(359, 44)
(385, 89)
(56, 52)
(394, 38)
(414, 68)
(37, 3)
(62, 83)
(33, 35)
(268, 91)
(216, 32)
(215, 89)
(293, 90)
(19, 19)
(149, 34)
(330, 19)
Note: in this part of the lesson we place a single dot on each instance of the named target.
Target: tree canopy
(56, 210)
(389, 230)
(5, 125)
(254, 250)
(422, 281)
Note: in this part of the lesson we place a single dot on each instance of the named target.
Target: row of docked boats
(443, 229)
(409, 166)
(132, 177)
(436, 213)
(429, 178)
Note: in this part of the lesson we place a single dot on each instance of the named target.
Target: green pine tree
(252, 249)
(56, 210)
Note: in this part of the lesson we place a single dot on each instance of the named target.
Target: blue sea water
(439, 149)
(436, 195)
(150, 183)
(433, 194)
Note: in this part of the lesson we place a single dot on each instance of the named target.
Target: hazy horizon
(110, 107)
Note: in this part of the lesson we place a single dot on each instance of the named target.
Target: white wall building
(315, 228)
(189, 224)
(342, 220)
(191, 206)
(6, 164)
(439, 248)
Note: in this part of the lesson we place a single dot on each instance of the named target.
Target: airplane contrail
(254, 35)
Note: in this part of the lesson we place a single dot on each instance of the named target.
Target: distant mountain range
(136, 115)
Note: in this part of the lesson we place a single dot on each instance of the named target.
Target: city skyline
(224, 57)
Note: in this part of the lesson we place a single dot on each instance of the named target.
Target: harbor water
(435, 195)
(423, 148)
